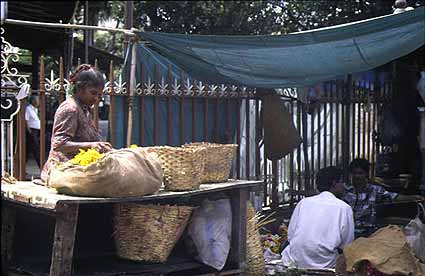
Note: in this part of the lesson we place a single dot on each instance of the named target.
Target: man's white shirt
(31, 117)
(318, 226)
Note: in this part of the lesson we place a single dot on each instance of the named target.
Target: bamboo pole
(132, 91)
(68, 26)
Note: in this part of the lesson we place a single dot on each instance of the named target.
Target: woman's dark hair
(326, 177)
(360, 163)
(86, 76)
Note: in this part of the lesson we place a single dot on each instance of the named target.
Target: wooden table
(65, 210)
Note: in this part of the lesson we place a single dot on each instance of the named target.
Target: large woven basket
(148, 232)
(183, 167)
(255, 264)
(218, 162)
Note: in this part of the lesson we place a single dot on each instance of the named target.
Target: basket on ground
(218, 162)
(148, 232)
(183, 167)
(254, 251)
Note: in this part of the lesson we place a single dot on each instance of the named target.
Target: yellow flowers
(85, 158)
(133, 146)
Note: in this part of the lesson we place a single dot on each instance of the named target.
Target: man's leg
(35, 140)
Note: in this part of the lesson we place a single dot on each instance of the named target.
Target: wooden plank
(7, 235)
(63, 241)
(226, 272)
(238, 249)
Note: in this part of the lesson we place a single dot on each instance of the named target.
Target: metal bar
(111, 104)
(325, 126)
(312, 137)
(369, 128)
(216, 119)
(266, 179)
(96, 105)
(257, 138)
(61, 82)
(182, 108)
(275, 183)
(346, 124)
(299, 150)
(193, 100)
(22, 139)
(337, 122)
(86, 32)
(331, 126)
(359, 122)
(305, 147)
(364, 125)
(238, 137)
(353, 121)
(227, 120)
(155, 105)
(169, 108)
(3, 132)
(248, 136)
(142, 106)
(12, 171)
(319, 147)
(206, 119)
(291, 159)
(42, 95)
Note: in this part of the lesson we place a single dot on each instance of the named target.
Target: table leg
(238, 249)
(8, 215)
(63, 241)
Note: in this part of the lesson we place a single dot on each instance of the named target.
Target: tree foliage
(231, 17)
(254, 17)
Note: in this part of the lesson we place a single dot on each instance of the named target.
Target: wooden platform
(22, 199)
(43, 197)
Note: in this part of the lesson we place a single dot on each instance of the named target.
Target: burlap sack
(119, 173)
(387, 250)
(280, 135)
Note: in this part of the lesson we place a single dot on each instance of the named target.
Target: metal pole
(3, 146)
(86, 32)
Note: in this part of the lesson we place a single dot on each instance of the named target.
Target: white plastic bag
(415, 234)
(210, 230)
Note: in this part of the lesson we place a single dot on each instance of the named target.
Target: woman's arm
(75, 146)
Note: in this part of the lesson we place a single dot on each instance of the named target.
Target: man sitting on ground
(321, 225)
(362, 195)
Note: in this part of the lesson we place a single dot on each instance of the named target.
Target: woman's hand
(101, 147)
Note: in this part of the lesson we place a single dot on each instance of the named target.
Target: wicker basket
(183, 167)
(255, 264)
(148, 232)
(219, 161)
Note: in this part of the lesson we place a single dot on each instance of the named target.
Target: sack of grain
(119, 173)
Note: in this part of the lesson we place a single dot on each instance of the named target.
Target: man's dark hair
(360, 163)
(32, 99)
(326, 176)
